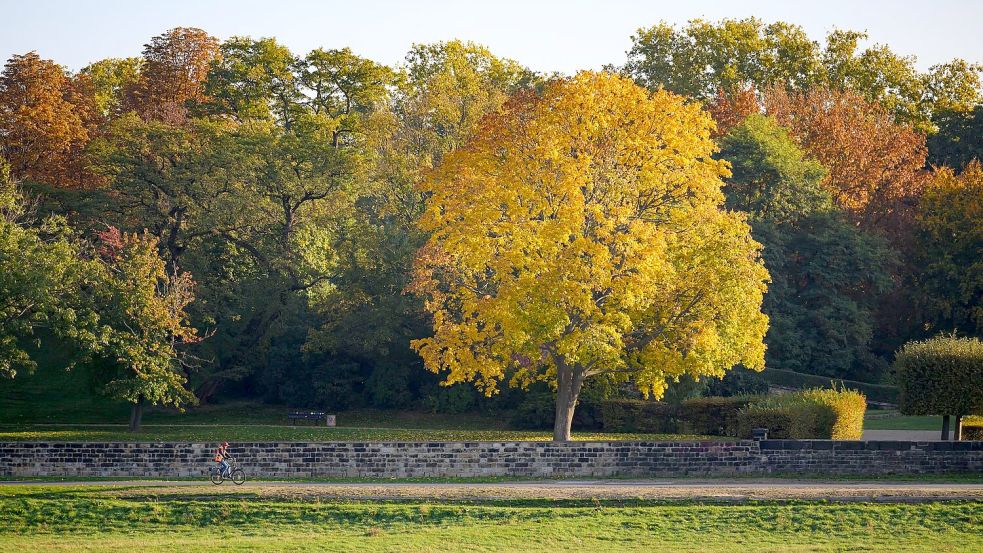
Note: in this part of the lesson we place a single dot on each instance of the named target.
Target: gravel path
(736, 490)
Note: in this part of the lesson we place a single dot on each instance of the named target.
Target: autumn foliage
(875, 166)
(175, 65)
(45, 121)
(580, 234)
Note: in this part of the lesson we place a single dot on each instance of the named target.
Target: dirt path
(696, 489)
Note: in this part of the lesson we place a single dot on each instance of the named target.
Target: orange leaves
(875, 165)
(42, 131)
(174, 68)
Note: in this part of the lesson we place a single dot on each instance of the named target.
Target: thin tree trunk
(957, 432)
(568, 383)
(136, 415)
(945, 427)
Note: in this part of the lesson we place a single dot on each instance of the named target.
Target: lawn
(884, 419)
(73, 519)
(259, 433)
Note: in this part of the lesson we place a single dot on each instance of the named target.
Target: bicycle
(235, 473)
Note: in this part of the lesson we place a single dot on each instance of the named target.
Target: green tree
(959, 140)
(142, 306)
(110, 78)
(41, 281)
(443, 90)
(704, 57)
(827, 275)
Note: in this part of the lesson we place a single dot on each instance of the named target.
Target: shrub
(848, 408)
(807, 414)
(973, 428)
(633, 415)
(941, 376)
(712, 415)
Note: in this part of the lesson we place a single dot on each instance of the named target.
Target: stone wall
(870, 458)
(464, 459)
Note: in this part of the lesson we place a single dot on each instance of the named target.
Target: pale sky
(546, 35)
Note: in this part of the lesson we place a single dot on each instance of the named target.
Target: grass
(52, 405)
(256, 433)
(72, 519)
(884, 419)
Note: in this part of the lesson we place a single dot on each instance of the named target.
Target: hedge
(635, 415)
(806, 414)
(712, 415)
(790, 379)
(941, 376)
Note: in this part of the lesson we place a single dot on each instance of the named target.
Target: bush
(973, 428)
(941, 376)
(715, 416)
(807, 414)
(633, 415)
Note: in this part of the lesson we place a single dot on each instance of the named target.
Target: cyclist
(221, 457)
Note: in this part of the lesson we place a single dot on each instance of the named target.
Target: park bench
(316, 416)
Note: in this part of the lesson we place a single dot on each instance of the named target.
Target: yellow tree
(579, 234)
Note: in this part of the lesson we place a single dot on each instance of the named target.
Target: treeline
(279, 192)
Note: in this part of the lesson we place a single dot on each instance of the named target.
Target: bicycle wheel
(216, 477)
(238, 477)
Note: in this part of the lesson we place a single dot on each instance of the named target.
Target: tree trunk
(957, 431)
(568, 384)
(945, 427)
(136, 415)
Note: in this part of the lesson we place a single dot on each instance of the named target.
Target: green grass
(880, 419)
(60, 519)
(247, 433)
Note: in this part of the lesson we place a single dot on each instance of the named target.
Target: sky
(545, 35)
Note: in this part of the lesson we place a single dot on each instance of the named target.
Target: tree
(827, 275)
(949, 251)
(115, 303)
(442, 93)
(144, 309)
(941, 376)
(41, 280)
(959, 140)
(172, 73)
(110, 78)
(705, 57)
(875, 165)
(42, 131)
(580, 234)
(255, 80)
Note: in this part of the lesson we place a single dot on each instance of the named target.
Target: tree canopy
(580, 234)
